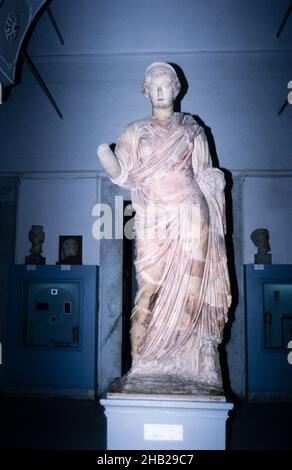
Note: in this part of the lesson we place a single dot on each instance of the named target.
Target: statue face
(36, 236)
(69, 248)
(263, 243)
(161, 93)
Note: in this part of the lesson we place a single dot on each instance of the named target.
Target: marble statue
(183, 288)
(36, 237)
(260, 237)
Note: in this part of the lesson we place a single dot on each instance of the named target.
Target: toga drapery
(183, 284)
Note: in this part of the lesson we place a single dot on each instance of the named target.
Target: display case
(277, 315)
(51, 313)
(268, 296)
(51, 330)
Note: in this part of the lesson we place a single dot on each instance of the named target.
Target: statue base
(135, 384)
(172, 421)
(263, 258)
(39, 259)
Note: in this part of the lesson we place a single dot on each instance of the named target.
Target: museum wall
(237, 74)
(64, 207)
(268, 203)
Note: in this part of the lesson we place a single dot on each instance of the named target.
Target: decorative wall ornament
(17, 18)
(11, 27)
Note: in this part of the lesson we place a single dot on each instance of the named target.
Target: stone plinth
(171, 422)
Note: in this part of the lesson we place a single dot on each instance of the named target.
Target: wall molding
(76, 393)
(54, 175)
(103, 55)
(89, 174)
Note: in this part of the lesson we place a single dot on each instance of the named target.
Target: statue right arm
(109, 161)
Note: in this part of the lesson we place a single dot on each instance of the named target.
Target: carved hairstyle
(36, 234)
(260, 237)
(160, 68)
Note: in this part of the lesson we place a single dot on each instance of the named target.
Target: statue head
(69, 248)
(161, 75)
(36, 234)
(260, 237)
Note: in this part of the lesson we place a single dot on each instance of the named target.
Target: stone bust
(260, 238)
(36, 237)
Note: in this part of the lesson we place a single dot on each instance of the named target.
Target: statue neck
(162, 114)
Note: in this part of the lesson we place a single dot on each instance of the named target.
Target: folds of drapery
(166, 265)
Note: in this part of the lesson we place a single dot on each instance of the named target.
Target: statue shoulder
(190, 121)
(135, 126)
(131, 132)
(192, 126)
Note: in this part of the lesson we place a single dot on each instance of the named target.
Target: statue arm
(202, 165)
(118, 165)
(201, 158)
(211, 181)
(109, 161)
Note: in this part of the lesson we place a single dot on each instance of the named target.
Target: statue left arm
(201, 158)
(211, 180)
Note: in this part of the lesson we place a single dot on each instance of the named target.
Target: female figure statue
(183, 286)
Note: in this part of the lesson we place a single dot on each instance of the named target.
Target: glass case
(51, 313)
(51, 339)
(268, 301)
(277, 314)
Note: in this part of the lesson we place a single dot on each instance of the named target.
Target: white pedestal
(170, 424)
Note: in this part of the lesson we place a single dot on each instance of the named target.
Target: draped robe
(183, 285)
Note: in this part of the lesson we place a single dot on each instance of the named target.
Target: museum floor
(38, 423)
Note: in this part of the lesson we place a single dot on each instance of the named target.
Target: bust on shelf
(260, 237)
(36, 237)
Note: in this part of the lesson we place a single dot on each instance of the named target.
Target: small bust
(36, 237)
(260, 237)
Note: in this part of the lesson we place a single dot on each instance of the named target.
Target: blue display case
(51, 330)
(268, 295)
(51, 312)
